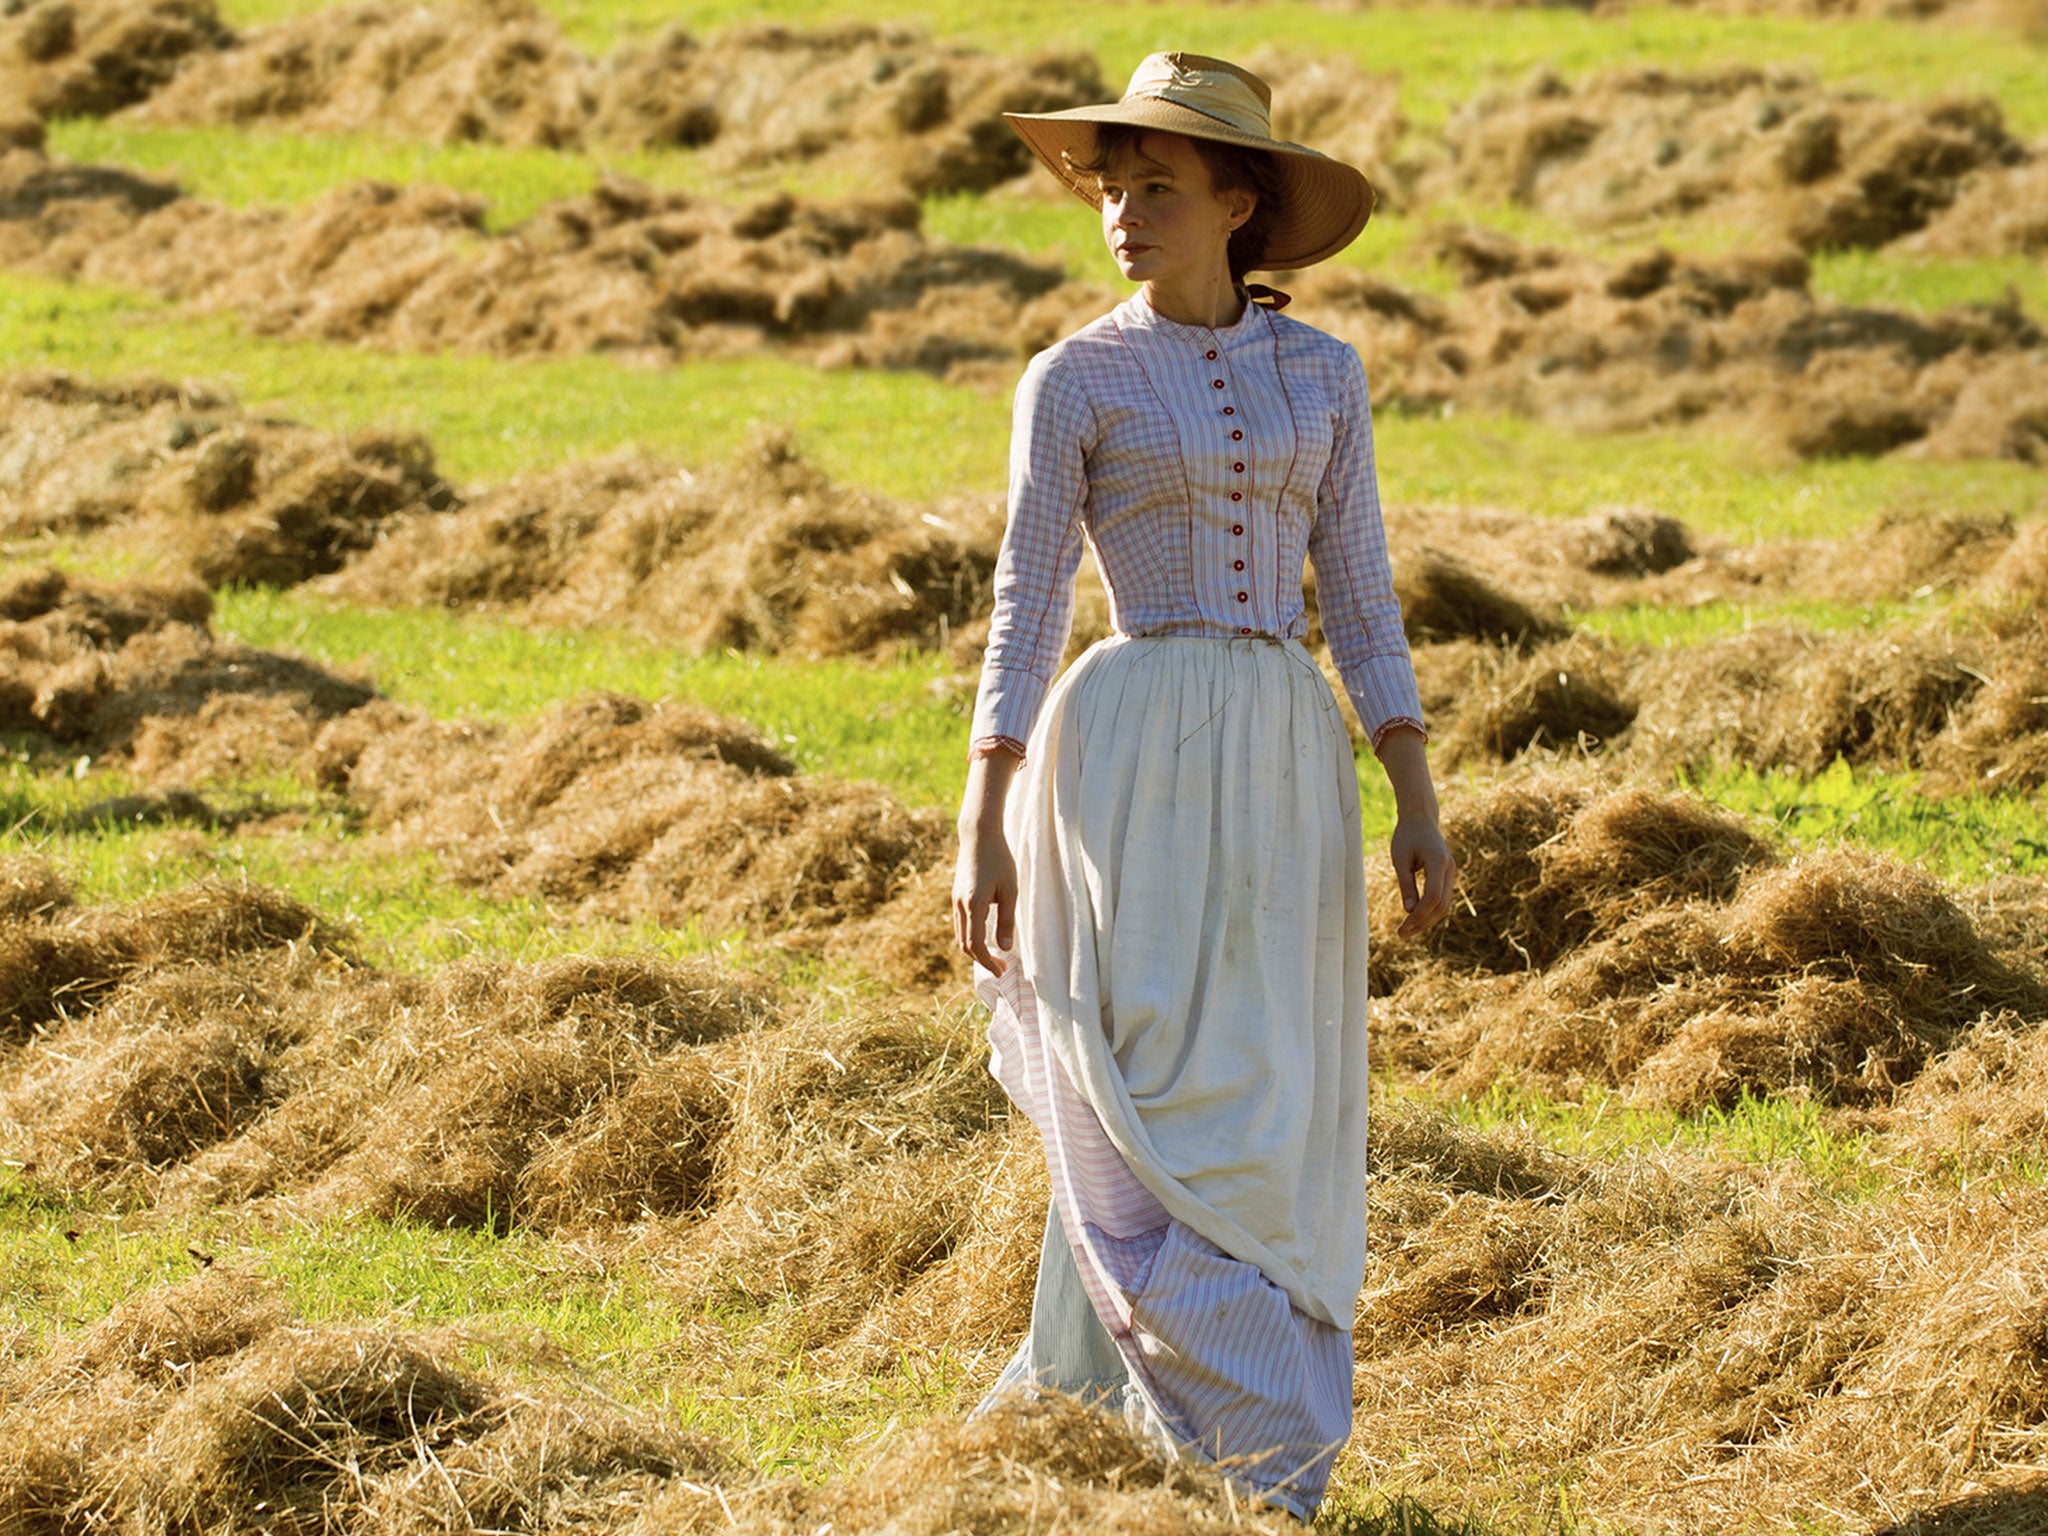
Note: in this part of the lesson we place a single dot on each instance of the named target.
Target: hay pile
(624, 269)
(1959, 703)
(132, 670)
(196, 481)
(850, 1172)
(1618, 938)
(1765, 150)
(887, 99)
(762, 553)
(86, 58)
(1688, 1346)
(618, 808)
(203, 1405)
(1660, 340)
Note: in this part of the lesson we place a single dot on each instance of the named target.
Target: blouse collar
(1247, 327)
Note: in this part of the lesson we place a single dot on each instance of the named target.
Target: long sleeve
(1354, 579)
(1051, 432)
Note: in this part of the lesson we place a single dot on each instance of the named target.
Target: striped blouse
(1204, 466)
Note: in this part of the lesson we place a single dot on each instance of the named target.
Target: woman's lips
(1132, 250)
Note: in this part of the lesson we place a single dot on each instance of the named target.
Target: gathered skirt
(1184, 1021)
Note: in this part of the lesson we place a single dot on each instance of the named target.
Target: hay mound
(624, 268)
(57, 959)
(85, 58)
(253, 708)
(1652, 944)
(1762, 149)
(851, 1173)
(193, 478)
(751, 99)
(762, 552)
(660, 812)
(1660, 340)
(1716, 1344)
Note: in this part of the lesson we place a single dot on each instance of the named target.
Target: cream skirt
(1184, 1021)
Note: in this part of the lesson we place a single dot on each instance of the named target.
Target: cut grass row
(245, 167)
(1442, 54)
(910, 436)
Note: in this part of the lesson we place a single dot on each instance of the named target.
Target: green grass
(1962, 839)
(910, 436)
(1441, 53)
(1769, 1132)
(490, 419)
(1659, 625)
(903, 724)
(1898, 281)
(520, 1302)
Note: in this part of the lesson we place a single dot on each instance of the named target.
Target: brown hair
(1231, 169)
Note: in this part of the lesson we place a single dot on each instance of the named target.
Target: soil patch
(623, 269)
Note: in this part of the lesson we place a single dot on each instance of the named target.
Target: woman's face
(1163, 218)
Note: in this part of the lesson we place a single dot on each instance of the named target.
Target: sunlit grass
(911, 436)
(1442, 53)
(490, 418)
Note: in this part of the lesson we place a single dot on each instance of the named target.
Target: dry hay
(131, 670)
(201, 1406)
(85, 58)
(1652, 944)
(618, 808)
(382, 1428)
(751, 99)
(1764, 150)
(623, 269)
(850, 1170)
(1659, 340)
(190, 477)
(762, 552)
(1692, 1346)
(1958, 700)
(58, 959)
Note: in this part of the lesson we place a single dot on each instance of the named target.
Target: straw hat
(1325, 203)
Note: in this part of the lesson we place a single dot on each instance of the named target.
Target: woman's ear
(1239, 204)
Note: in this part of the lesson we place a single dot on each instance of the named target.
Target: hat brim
(1326, 203)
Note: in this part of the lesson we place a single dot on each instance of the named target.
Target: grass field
(1710, 1177)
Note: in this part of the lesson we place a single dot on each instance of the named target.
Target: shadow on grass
(2002, 1512)
(1402, 1516)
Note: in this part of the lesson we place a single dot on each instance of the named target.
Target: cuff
(983, 746)
(1397, 721)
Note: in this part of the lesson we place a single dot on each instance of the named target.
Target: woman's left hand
(1426, 870)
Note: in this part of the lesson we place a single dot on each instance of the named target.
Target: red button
(1245, 631)
(1244, 597)
(1237, 495)
(1238, 529)
(1239, 467)
(1238, 566)
(1228, 410)
(1237, 436)
(1212, 354)
(1217, 382)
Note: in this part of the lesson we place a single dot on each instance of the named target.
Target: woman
(1164, 891)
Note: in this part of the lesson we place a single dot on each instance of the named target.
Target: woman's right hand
(985, 873)
(985, 888)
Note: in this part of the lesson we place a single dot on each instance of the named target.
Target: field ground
(480, 1047)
